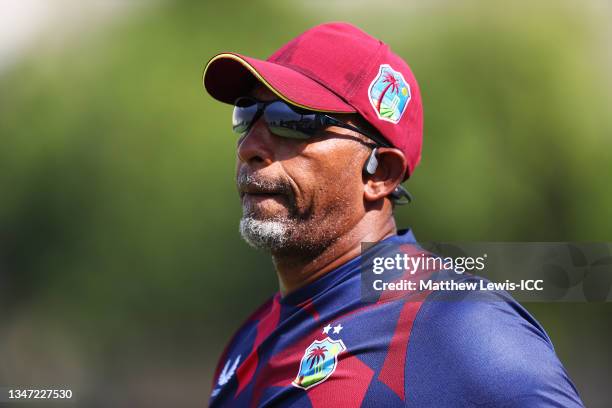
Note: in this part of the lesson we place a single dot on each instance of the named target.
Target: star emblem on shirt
(336, 328)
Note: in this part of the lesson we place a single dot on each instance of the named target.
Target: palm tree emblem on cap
(392, 82)
(389, 94)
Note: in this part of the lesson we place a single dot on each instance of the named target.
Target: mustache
(250, 183)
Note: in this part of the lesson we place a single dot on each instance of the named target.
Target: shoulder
(244, 333)
(484, 349)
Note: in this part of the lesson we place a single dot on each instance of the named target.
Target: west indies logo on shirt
(389, 94)
(319, 361)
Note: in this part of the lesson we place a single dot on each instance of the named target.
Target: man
(328, 127)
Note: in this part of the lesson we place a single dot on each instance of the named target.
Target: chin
(266, 234)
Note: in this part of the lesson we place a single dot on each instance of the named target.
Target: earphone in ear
(400, 195)
(372, 162)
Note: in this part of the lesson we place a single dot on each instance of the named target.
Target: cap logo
(389, 94)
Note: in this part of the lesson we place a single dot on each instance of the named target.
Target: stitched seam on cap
(315, 78)
(360, 78)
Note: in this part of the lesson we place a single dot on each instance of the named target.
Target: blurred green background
(122, 272)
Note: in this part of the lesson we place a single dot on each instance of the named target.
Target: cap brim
(228, 76)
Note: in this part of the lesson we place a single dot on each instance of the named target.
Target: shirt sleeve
(484, 350)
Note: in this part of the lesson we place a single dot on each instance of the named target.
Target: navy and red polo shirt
(324, 345)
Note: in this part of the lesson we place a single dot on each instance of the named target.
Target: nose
(255, 148)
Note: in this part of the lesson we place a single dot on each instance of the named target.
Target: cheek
(330, 182)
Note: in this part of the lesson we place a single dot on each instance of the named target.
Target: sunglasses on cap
(288, 121)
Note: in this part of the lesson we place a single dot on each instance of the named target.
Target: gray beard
(272, 234)
(269, 235)
(293, 233)
(287, 236)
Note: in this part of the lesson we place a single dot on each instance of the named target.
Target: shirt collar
(341, 273)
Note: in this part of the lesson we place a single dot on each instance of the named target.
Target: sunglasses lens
(283, 121)
(245, 110)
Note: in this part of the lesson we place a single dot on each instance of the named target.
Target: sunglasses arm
(328, 120)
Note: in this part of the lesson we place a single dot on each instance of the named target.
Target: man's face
(298, 195)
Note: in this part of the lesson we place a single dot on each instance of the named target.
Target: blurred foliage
(120, 261)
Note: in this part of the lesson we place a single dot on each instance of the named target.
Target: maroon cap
(336, 68)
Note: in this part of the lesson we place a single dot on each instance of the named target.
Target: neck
(297, 270)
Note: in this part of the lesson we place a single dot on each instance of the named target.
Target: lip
(259, 195)
(254, 190)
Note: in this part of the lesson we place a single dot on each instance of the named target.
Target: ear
(389, 174)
